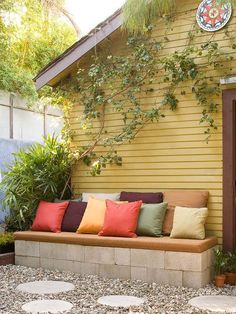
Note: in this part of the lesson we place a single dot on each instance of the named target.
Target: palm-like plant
(139, 14)
(58, 6)
(39, 172)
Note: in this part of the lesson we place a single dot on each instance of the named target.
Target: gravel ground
(159, 299)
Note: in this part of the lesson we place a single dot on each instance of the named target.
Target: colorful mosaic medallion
(211, 16)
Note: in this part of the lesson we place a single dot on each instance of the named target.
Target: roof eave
(76, 52)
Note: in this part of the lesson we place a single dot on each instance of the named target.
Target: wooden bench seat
(177, 262)
(148, 243)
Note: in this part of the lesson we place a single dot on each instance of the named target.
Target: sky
(89, 13)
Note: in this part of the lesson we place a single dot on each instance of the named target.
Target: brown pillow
(193, 199)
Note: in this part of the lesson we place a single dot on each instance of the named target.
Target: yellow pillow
(189, 223)
(93, 219)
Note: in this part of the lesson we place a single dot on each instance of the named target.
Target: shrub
(6, 238)
(39, 172)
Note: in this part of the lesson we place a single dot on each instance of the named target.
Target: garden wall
(173, 153)
(21, 122)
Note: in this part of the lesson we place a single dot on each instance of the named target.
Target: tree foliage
(30, 38)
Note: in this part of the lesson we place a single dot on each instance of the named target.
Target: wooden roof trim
(79, 49)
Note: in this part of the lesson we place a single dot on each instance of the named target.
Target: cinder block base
(163, 267)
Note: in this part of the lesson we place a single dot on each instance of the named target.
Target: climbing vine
(121, 94)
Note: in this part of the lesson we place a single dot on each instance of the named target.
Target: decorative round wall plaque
(211, 16)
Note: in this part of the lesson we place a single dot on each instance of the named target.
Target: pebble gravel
(158, 298)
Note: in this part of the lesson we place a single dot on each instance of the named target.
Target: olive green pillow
(151, 219)
(189, 223)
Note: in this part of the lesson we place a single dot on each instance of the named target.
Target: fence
(17, 121)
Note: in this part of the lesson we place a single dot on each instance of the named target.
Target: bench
(177, 262)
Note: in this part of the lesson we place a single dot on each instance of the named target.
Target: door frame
(229, 169)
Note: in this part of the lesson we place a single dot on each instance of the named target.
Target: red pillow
(49, 216)
(121, 219)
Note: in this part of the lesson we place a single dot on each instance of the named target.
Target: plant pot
(230, 278)
(7, 258)
(219, 281)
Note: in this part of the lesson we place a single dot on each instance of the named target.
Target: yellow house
(171, 154)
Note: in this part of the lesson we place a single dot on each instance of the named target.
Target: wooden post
(229, 170)
(11, 101)
(45, 121)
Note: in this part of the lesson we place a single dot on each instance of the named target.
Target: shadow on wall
(7, 148)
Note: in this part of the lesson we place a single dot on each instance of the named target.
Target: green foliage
(231, 262)
(38, 173)
(6, 238)
(126, 77)
(220, 261)
(29, 40)
(117, 84)
(139, 14)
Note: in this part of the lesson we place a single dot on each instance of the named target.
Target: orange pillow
(121, 219)
(93, 217)
(49, 216)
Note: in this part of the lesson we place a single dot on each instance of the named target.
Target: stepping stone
(45, 287)
(215, 303)
(47, 306)
(120, 301)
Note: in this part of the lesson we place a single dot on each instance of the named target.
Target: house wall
(173, 153)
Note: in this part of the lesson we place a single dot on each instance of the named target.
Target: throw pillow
(121, 219)
(147, 198)
(151, 219)
(189, 223)
(194, 199)
(93, 218)
(49, 216)
(101, 196)
(73, 216)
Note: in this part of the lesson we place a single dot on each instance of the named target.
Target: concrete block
(27, 248)
(47, 263)
(76, 267)
(20, 247)
(165, 277)
(147, 258)
(139, 273)
(60, 251)
(122, 256)
(28, 261)
(75, 252)
(193, 279)
(99, 255)
(114, 271)
(89, 269)
(186, 261)
(63, 265)
(46, 250)
(211, 257)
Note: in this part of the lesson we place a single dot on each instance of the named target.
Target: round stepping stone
(120, 301)
(45, 287)
(47, 306)
(215, 303)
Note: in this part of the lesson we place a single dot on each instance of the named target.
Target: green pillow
(151, 219)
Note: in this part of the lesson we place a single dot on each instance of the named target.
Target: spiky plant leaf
(138, 14)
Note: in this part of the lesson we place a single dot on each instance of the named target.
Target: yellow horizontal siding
(171, 154)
